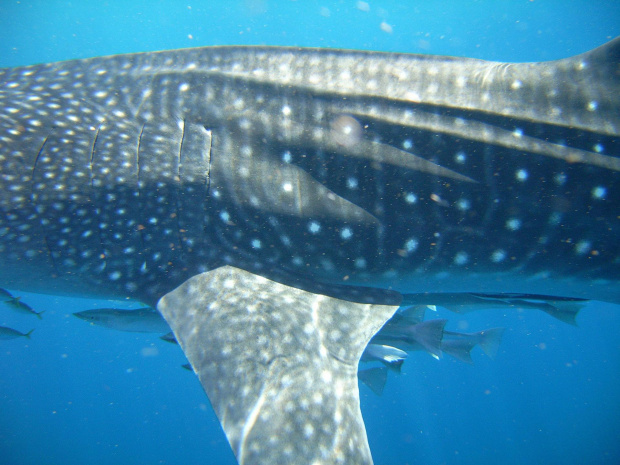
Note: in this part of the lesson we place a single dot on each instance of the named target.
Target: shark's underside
(243, 189)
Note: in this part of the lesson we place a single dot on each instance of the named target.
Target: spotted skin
(127, 176)
(295, 399)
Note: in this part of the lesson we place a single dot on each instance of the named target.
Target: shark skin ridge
(250, 193)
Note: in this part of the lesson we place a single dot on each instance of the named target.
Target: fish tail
(395, 365)
(374, 378)
(429, 335)
(459, 349)
(29, 333)
(490, 340)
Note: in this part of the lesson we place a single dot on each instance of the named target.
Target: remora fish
(22, 307)
(140, 320)
(459, 344)
(138, 175)
(5, 295)
(10, 333)
(426, 335)
(563, 308)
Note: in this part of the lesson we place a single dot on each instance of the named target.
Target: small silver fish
(141, 320)
(10, 333)
(5, 295)
(22, 307)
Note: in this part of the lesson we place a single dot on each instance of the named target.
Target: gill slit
(139, 187)
(92, 195)
(179, 190)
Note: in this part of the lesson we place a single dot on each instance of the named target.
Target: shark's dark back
(127, 175)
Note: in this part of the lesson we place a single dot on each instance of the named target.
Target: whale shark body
(253, 194)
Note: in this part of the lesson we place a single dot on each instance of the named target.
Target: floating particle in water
(385, 27)
(362, 6)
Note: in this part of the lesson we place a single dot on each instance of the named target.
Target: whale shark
(270, 202)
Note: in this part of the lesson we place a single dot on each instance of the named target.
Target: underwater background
(80, 394)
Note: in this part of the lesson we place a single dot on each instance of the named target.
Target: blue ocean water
(77, 394)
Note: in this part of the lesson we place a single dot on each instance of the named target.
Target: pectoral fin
(279, 364)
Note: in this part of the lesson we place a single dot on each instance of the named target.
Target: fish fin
(301, 195)
(489, 341)
(565, 311)
(375, 378)
(394, 360)
(395, 365)
(279, 364)
(169, 337)
(413, 314)
(38, 314)
(29, 333)
(562, 308)
(429, 335)
(459, 349)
